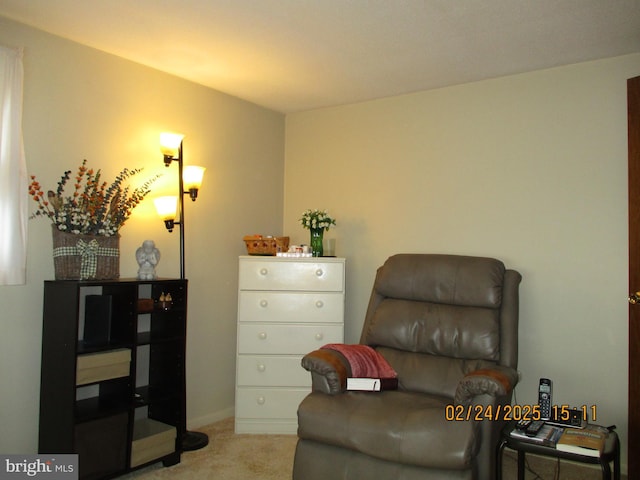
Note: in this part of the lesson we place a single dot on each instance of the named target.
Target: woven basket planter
(85, 257)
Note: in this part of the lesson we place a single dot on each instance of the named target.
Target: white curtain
(13, 171)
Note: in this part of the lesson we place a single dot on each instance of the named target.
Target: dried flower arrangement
(94, 207)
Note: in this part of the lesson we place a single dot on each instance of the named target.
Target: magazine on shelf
(588, 441)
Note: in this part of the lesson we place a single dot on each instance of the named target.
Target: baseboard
(195, 423)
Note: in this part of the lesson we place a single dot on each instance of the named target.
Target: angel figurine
(148, 257)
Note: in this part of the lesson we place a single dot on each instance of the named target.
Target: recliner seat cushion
(432, 374)
(398, 426)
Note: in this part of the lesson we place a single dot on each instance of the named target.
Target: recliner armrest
(329, 371)
(495, 381)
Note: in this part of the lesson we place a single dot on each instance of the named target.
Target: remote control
(533, 429)
(523, 424)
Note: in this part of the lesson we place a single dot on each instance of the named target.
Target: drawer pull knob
(319, 272)
(319, 304)
(261, 367)
(260, 400)
(263, 271)
(263, 303)
(319, 336)
(262, 335)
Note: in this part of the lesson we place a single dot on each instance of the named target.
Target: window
(13, 171)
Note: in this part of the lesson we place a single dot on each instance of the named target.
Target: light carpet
(230, 456)
(270, 457)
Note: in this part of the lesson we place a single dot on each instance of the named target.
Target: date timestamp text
(564, 413)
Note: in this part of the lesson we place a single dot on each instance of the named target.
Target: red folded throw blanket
(365, 362)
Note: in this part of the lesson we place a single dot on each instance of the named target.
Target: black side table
(611, 454)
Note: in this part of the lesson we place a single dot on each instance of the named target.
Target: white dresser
(287, 307)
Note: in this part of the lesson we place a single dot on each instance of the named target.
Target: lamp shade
(170, 143)
(192, 177)
(167, 207)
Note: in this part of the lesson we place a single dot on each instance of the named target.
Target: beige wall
(529, 168)
(82, 103)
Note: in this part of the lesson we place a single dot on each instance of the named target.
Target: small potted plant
(317, 222)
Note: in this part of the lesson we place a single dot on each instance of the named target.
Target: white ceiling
(293, 55)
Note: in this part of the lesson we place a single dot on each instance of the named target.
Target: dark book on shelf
(97, 320)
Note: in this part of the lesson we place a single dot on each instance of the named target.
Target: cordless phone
(544, 398)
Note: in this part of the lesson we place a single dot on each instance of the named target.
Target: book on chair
(371, 384)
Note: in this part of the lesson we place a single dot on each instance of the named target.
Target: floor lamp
(189, 182)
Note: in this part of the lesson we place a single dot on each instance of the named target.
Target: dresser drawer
(272, 371)
(286, 339)
(268, 403)
(277, 307)
(291, 275)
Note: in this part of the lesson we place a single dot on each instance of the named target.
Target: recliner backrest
(437, 317)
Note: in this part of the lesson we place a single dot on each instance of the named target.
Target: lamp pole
(190, 440)
(181, 207)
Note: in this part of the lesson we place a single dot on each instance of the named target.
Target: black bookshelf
(113, 391)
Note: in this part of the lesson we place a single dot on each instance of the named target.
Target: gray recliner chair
(448, 325)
